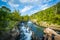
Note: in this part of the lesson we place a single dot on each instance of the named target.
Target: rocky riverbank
(11, 34)
(45, 24)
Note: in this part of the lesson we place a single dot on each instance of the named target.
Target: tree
(15, 16)
(25, 18)
(4, 14)
(50, 15)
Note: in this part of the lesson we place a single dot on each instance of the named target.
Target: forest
(9, 19)
(50, 15)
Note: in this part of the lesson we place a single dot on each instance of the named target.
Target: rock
(57, 37)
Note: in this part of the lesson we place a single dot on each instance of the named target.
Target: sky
(28, 7)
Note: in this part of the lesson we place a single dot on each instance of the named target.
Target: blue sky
(28, 7)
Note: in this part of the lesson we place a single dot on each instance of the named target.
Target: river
(28, 29)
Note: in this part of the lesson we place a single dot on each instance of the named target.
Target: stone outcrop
(49, 33)
(45, 24)
(11, 34)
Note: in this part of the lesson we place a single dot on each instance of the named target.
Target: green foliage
(15, 16)
(8, 19)
(25, 18)
(50, 15)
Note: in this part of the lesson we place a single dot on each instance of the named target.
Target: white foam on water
(29, 22)
(27, 33)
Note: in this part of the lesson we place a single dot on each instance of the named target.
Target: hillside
(49, 16)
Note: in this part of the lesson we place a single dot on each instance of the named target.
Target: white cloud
(44, 8)
(41, 7)
(34, 11)
(4, 0)
(47, 0)
(28, 1)
(35, 1)
(13, 5)
(28, 5)
(26, 8)
(44, 5)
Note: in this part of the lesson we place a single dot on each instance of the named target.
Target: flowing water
(26, 32)
(27, 29)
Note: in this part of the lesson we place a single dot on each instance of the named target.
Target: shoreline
(45, 26)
